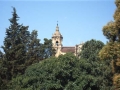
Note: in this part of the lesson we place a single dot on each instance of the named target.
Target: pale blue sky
(78, 20)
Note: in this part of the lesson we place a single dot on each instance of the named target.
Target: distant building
(57, 39)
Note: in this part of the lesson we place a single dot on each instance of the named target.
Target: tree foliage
(21, 69)
(91, 49)
(99, 71)
(66, 72)
(111, 50)
(20, 50)
(33, 49)
(14, 49)
(51, 74)
(48, 49)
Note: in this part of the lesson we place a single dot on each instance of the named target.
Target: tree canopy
(99, 71)
(28, 64)
(111, 50)
(20, 50)
(67, 72)
(90, 49)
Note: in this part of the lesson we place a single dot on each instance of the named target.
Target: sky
(78, 20)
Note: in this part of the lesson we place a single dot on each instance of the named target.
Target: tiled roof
(68, 49)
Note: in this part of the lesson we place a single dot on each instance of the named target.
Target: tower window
(57, 43)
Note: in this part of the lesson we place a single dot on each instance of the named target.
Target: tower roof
(57, 33)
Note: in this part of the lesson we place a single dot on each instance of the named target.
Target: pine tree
(34, 47)
(2, 72)
(111, 51)
(15, 47)
(48, 49)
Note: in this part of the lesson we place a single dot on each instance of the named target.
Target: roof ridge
(68, 46)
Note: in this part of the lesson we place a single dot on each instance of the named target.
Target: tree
(50, 74)
(2, 72)
(91, 49)
(21, 49)
(95, 76)
(38, 51)
(111, 51)
(48, 49)
(14, 48)
(66, 72)
(34, 48)
(100, 72)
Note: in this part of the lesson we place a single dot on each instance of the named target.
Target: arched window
(57, 43)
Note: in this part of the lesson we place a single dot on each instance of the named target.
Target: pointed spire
(57, 28)
(57, 23)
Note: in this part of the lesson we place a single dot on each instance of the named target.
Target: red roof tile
(68, 49)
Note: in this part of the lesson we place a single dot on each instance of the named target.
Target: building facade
(57, 39)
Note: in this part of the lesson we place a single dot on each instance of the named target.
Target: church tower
(57, 39)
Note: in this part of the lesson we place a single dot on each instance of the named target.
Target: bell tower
(57, 39)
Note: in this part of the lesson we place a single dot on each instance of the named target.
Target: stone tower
(57, 39)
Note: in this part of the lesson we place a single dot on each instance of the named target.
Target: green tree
(14, 48)
(91, 49)
(34, 46)
(95, 73)
(66, 72)
(2, 72)
(21, 49)
(50, 74)
(38, 51)
(48, 49)
(111, 50)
